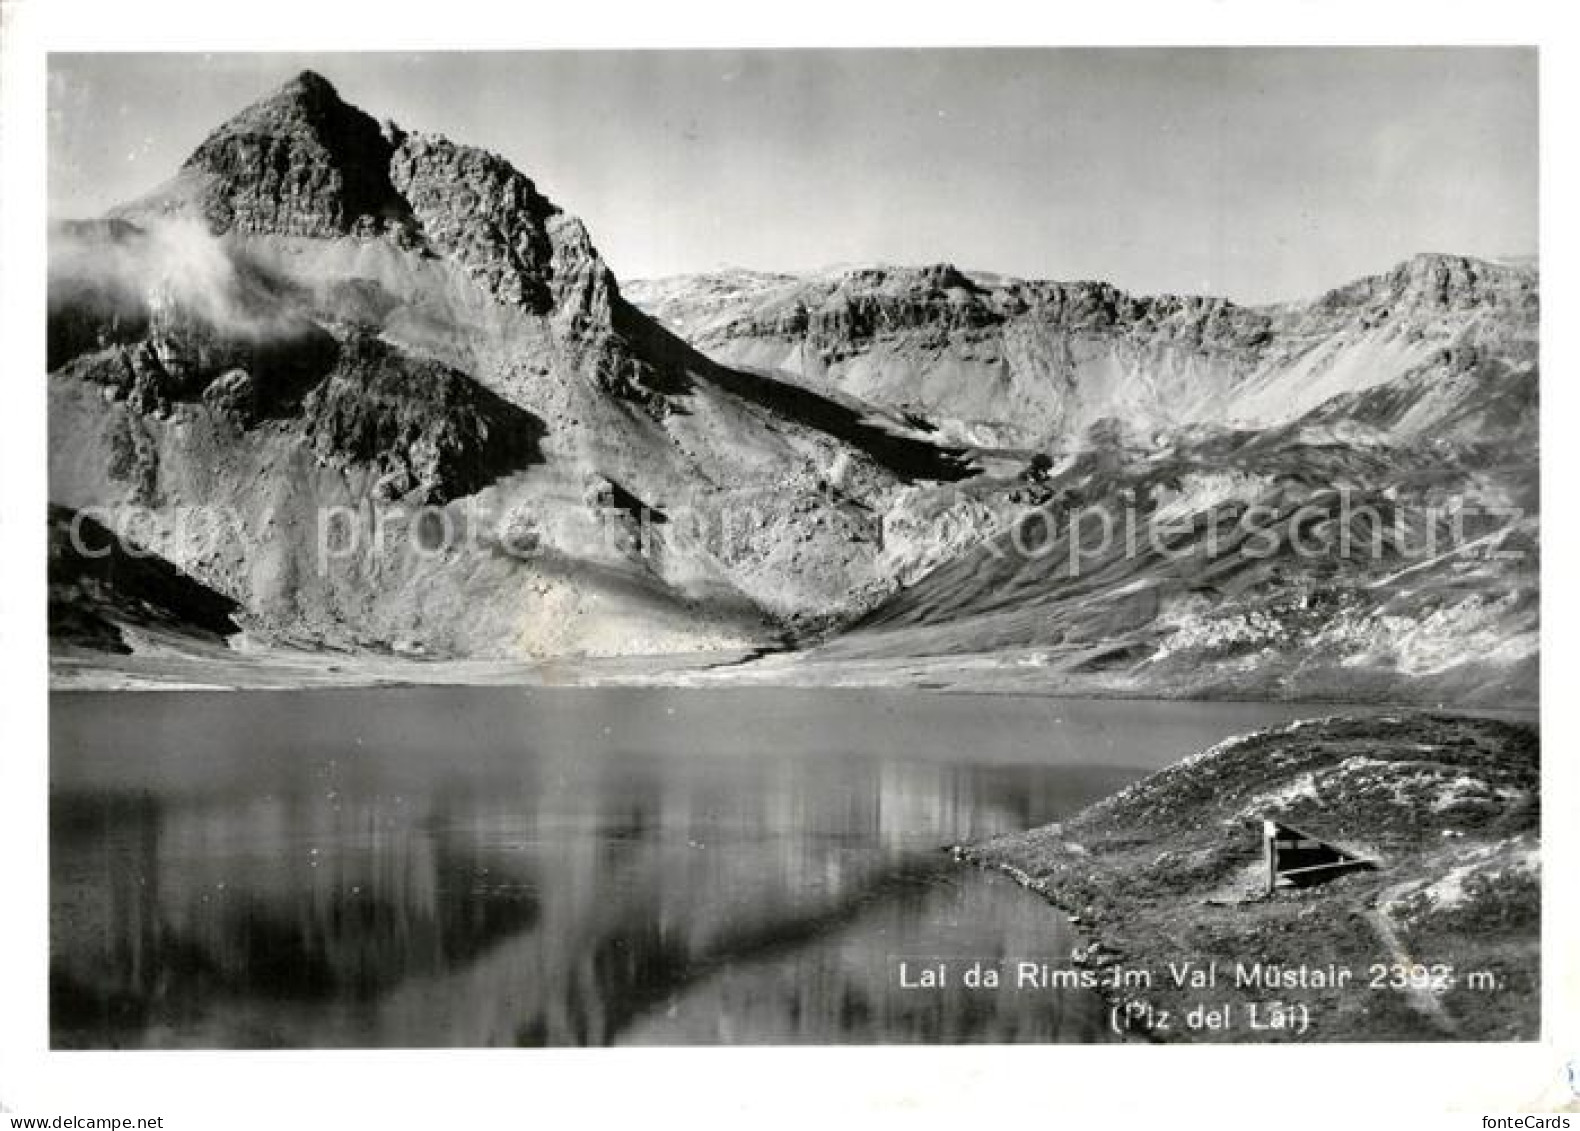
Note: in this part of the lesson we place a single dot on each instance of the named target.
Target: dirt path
(1420, 998)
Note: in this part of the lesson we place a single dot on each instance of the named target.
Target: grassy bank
(1440, 942)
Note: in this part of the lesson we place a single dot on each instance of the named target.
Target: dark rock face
(431, 432)
(97, 584)
(300, 162)
(246, 378)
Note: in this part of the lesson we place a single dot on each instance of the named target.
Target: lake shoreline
(224, 670)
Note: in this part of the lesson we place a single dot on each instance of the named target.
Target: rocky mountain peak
(303, 162)
(300, 161)
(309, 89)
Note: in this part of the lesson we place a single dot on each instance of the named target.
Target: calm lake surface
(463, 867)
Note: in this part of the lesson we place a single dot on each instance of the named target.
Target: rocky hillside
(1332, 499)
(1033, 363)
(377, 389)
(1171, 870)
(1263, 564)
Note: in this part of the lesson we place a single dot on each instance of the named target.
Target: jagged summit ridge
(1000, 360)
(476, 208)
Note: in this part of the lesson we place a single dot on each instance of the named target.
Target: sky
(1261, 174)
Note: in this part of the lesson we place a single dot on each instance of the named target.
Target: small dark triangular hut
(1298, 859)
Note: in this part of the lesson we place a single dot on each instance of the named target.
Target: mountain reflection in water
(460, 868)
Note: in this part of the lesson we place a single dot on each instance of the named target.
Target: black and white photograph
(567, 548)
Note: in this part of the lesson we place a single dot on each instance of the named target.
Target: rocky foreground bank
(1440, 942)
